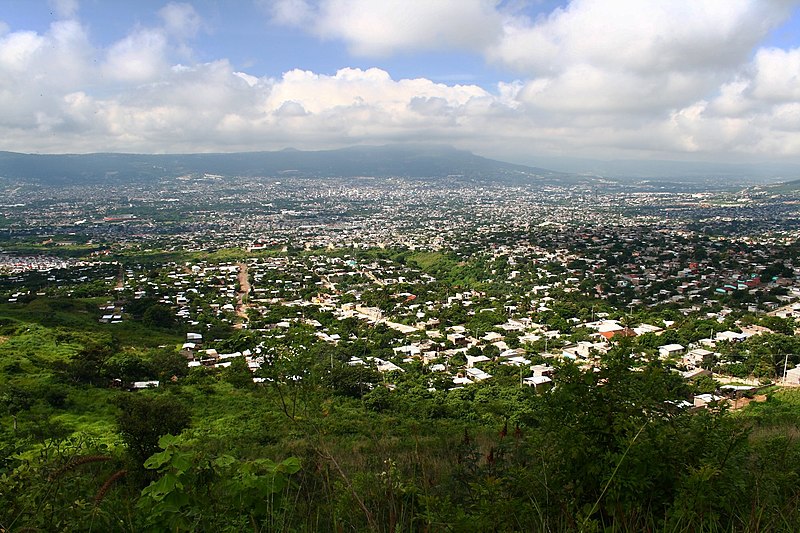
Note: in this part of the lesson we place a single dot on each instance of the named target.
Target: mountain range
(378, 161)
(676, 171)
(402, 160)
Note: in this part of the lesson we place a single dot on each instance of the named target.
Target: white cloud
(777, 76)
(180, 20)
(355, 87)
(64, 9)
(378, 28)
(616, 56)
(641, 37)
(144, 55)
(596, 74)
(139, 57)
(731, 100)
(35, 70)
(585, 88)
(17, 50)
(211, 106)
(288, 12)
(250, 80)
(597, 79)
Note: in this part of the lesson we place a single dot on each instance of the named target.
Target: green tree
(158, 316)
(378, 399)
(167, 363)
(238, 374)
(143, 418)
(88, 365)
(137, 307)
(15, 400)
(127, 368)
(354, 381)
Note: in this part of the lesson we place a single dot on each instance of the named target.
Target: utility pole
(785, 370)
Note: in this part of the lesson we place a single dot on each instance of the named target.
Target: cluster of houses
(112, 313)
(17, 264)
(649, 267)
(198, 356)
(284, 290)
(22, 276)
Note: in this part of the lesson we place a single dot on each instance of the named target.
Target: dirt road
(244, 290)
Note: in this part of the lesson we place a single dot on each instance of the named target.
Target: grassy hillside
(601, 451)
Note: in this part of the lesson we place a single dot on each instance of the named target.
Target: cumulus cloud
(373, 28)
(146, 53)
(594, 74)
(611, 56)
(777, 76)
(36, 69)
(758, 112)
(17, 49)
(355, 87)
(640, 37)
(139, 57)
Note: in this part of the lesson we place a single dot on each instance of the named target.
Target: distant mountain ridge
(784, 187)
(378, 161)
(681, 171)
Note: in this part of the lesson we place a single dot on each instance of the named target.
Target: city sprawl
(467, 279)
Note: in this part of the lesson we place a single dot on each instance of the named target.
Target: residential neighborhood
(467, 283)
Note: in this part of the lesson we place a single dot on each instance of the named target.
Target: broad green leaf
(167, 440)
(157, 460)
(181, 461)
(224, 461)
(158, 489)
(290, 465)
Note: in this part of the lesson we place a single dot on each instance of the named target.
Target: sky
(694, 80)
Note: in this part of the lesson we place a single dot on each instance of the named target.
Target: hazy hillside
(785, 187)
(410, 161)
(676, 171)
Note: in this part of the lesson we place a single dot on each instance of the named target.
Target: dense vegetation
(338, 451)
